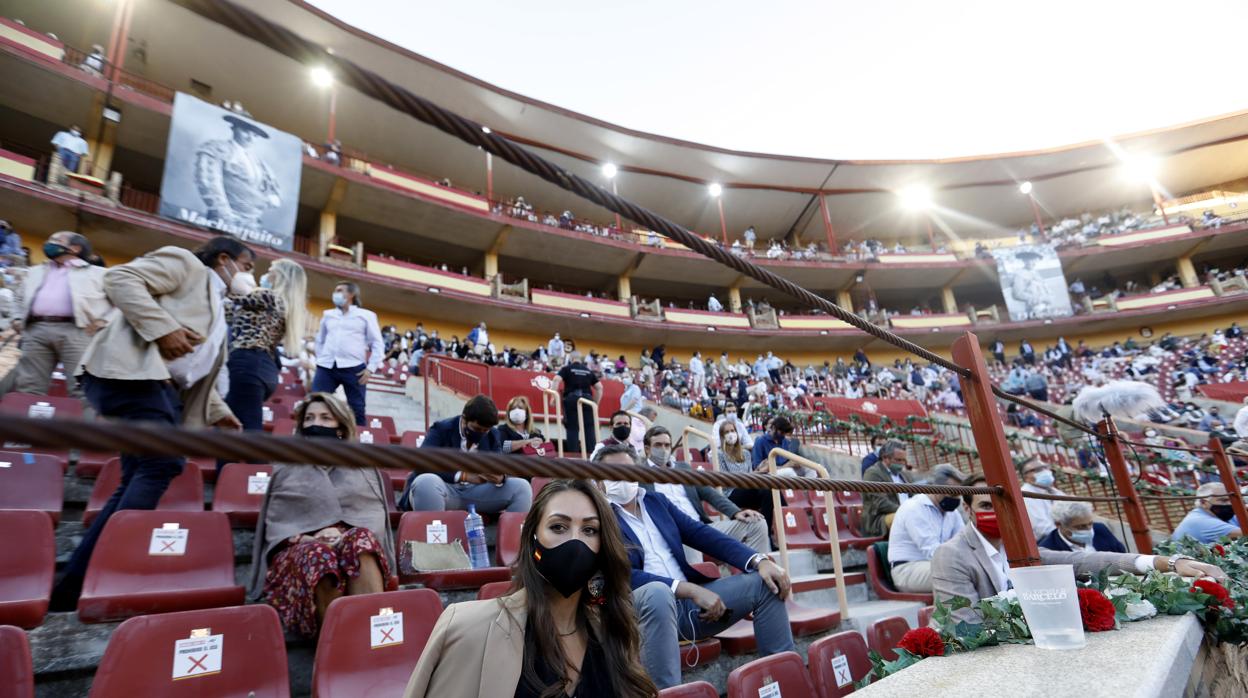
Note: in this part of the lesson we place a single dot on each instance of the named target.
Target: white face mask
(242, 283)
(619, 492)
(517, 415)
(659, 455)
(730, 438)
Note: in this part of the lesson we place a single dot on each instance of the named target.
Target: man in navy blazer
(673, 600)
(1076, 531)
(471, 431)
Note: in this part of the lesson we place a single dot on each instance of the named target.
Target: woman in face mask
(262, 319)
(517, 430)
(733, 458)
(565, 629)
(323, 531)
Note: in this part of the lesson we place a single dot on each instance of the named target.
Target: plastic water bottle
(478, 555)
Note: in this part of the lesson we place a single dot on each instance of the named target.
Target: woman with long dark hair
(565, 629)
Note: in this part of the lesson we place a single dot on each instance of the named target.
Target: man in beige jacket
(61, 304)
(157, 362)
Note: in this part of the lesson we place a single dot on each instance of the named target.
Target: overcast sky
(844, 78)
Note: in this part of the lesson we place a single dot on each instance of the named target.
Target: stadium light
(1142, 167)
(916, 197)
(715, 189)
(1024, 188)
(486, 130)
(321, 77)
(609, 171)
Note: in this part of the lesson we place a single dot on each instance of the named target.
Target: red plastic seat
(207, 467)
(508, 545)
(383, 422)
(411, 439)
(17, 673)
(282, 427)
(124, 580)
(785, 668)
(230, 497)
(412, 527)
(492, 590)
(882, 585)
(848, 499)
(89, 464)
(185, 493)
(28, 561)
(823, 651)
(139, 658)
(797, 498)
(884, 634)
(31, 482)
(844, 532)
(797, 531)
(925, 616)
(538, 483)
(277, 410)
(378, 436)
(697, 689)
(346, 662)
(20, 404)
(808, 620)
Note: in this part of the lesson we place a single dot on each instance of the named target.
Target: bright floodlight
(609, 171)
(715, 189)
(486, 130)
(916, 198)
(321, 77)
(1142, 167)
(1025, 187)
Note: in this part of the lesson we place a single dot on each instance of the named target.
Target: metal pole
(714, 457)
(489, 176)
(931, 236)
(833, 529)
(723, 227)
(333, 110)
(580, 421)
(1227, 471)
(619, 224)
(994, 454)
(1122, 481)
(827, 224)
(1161, 206)
(1035, 209)
(548, 394)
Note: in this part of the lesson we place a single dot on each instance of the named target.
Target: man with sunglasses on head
(471, 431)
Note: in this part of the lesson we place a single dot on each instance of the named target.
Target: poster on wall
(1032, 282)
(230, 173)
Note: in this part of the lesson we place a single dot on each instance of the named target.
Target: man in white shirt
(554, 349)
(1241, 421)
(71, 146)
(348, 348)
(1038, 477)
(922, 524)
(697, 375)
(714, 305)
(730, 415)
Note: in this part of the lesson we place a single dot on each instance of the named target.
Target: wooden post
(1227, 471)
(994, 454)
(1122, 481)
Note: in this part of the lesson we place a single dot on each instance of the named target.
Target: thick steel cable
(286, 42)
(1070, 497)
(108, 437)
(1165, 448)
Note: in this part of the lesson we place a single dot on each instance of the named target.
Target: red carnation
(1217, 591)
(1097, 610)
(923, 642)
(1217, 548)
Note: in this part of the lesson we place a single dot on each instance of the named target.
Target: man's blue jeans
(327, 380)
(665, 620)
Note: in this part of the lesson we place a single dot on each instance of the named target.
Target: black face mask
(317, 431)
(950, 504)
(1222, 511)
(473, 437)
(621, 433)
(567, 566)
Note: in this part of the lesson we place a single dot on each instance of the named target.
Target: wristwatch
(754, 562)
(1174, 560)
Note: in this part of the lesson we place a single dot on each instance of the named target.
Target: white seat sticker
(435, 532)
(385, 630)
(258, 483)
(168, 541)
(840, 668)
(197, 656)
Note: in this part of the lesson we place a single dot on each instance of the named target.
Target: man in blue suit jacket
(673, 600)
(1076, 530)
(471, 431)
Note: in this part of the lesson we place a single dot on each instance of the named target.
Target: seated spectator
(923, 522)
(973, 565)
(323, 531)
(621, 430)
(10, 246)
(776, 436)
(879, 509)
(565, 628)
(471, 431)
(1212, 421)
(518, 432)
(636, 437)
(673, 600)
(1077, 531)
(733, 458)
(1038, 477)
(873, 455)
(730, 417)
(742, 525)
(1211, 518)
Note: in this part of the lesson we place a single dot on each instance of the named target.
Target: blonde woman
(517, 431)
(261, 320)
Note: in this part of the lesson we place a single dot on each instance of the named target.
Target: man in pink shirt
(62, 303)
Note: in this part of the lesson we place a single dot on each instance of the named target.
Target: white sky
(844, 78)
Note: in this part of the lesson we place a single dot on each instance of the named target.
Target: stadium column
(734, 295)
(329, 217)
(994, 454)
(624, 286)
(101, 139)
(1187, 272)
(491, 255)
(845, 300)
(949, 301)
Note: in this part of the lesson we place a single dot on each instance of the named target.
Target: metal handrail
(580, 421)
(550, 395)
(713, 457)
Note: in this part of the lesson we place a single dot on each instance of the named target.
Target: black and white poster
(227, 172)
(1032, 282)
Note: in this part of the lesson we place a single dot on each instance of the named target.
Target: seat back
(709, 569)
(847, 499)
(411, 439)
(17, 673)
(797, 523)
(20, 404)
(697, 689)
(185, 493)
(233, 496)
(508, 546)
(376, 421)
(831, 657)
(538, 483)
(784, 668)
(252, 656)
(277, 410)
(797, 498)
(854, 519)
(31, 481)
(492, 590)
(28, 567)
(925, 615)
(413, 526)
(884, 634)
(356, 658)
(123, 575)
(373, 435)
(877, 565)
(283, 427)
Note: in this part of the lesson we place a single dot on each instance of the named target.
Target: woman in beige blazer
(565, 629)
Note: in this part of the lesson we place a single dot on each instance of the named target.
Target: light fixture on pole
(609, 170)
(716, 191)
(1145, 168)
(918, 198)
(322, 78)
(1027, 190)
(489, 170)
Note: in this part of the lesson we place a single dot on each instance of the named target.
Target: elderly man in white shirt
(348, 348)
(697, 375)
(1038, 477)
(920, 526)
